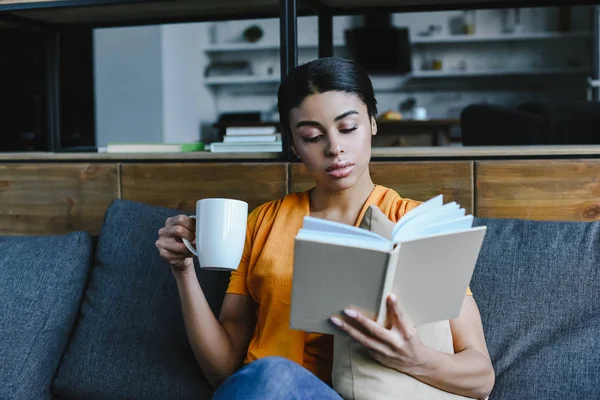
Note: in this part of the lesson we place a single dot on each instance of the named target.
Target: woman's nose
(333, 148)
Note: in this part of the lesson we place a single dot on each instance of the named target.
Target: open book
(428, 263)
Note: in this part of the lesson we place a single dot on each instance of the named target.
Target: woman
(328, 108)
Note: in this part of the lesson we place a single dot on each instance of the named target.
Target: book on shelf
(428, 263)
(153, 147)
(223, 147)
(250, 130)
(276, 137)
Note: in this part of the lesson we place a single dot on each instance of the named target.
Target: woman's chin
(340, 184)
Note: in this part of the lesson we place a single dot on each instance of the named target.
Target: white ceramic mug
(220, 233)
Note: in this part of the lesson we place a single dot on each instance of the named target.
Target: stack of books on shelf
(243, 139)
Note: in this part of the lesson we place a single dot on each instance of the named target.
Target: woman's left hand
(396, 346)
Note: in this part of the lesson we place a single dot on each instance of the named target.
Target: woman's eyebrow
(307, 123)
(315, 123)
(344, 115)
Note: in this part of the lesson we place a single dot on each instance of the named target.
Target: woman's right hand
(171, 247)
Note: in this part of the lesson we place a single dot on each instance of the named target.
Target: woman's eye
(311, 139)
(348, 130)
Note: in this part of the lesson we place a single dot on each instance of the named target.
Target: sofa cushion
(130, 341)
(537, 285)
(42, 281)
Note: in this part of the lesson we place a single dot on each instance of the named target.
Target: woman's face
(331, 133)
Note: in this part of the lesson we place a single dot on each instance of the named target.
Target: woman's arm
(468, 372)
(219, 345)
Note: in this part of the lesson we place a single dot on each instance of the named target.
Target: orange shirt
(265, 273)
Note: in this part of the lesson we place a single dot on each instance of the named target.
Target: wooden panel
(46, 199)
(414, 180)
(539, 189)
(179, 186)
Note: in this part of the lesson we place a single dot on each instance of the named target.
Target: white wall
(128, 84)
(187, 102)
(149, 85)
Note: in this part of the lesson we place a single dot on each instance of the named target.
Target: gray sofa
(81, 319)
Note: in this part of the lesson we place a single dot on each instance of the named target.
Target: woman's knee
(270, 375)
(268, 368)
(274, 378)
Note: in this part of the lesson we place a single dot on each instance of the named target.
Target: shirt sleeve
(238, 281)
(405, 205)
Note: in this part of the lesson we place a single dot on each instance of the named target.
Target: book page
(423, 208)
(333, 238)
(454, 225)
(323, 225)
(416, 226)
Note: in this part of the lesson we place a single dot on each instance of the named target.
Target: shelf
(232, 47)
(465, 74)
(380, 153)
(192, 155)
(501, 37)
(245, 79)
(103, 13)
(240, 79)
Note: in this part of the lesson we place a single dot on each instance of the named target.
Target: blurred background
(522, 76)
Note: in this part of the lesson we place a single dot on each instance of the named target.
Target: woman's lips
(340, 170)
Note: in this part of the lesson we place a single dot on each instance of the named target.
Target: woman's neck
(341, 206)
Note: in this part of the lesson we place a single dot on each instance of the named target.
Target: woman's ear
(294, 149)
(373, 126)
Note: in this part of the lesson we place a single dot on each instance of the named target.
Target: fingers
(173, 246)
(178, 227)
(362, 338)
(182, 220)
(396, 317)
(361, 326)
(170, 245)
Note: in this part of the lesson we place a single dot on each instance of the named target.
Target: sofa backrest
(42, 283)
(537, 285)
(130, 341)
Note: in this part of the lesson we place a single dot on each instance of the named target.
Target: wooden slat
(179, 186)
(48, 199)
(540, 190)
(414, 180)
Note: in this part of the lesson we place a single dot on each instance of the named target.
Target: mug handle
(187, 242)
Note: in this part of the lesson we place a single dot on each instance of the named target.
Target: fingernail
(393, 298)
(337, 321)
(351, 313)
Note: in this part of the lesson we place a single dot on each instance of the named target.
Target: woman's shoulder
(267, 212)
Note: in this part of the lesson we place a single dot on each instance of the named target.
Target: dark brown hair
(324, 75)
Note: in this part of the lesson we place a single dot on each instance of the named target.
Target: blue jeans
(274, 378)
